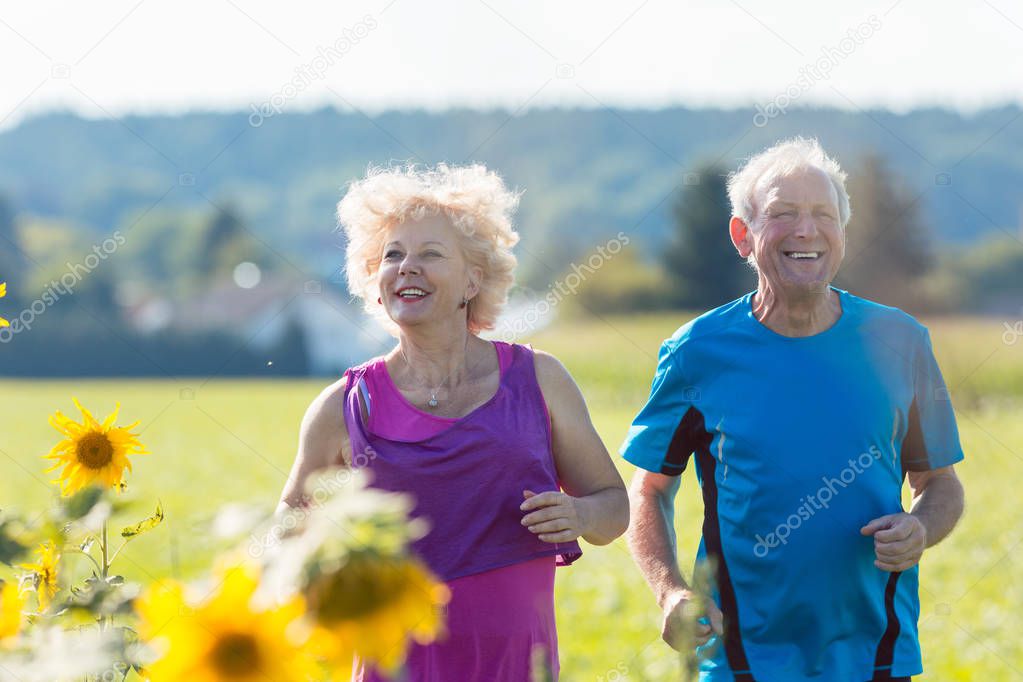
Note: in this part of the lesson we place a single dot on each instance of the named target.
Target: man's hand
(899, 541)
(682, 616)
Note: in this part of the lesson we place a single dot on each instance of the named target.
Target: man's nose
(805, 226)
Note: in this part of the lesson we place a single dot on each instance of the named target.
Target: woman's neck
(440, 358)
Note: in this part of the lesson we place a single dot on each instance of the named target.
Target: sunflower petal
(90, 421)
(111, 418)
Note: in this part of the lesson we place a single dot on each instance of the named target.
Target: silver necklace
(432, 402)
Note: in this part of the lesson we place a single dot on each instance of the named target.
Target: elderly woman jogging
(802, 408)
(493, 440)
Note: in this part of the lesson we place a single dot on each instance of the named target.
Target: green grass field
(234, 441)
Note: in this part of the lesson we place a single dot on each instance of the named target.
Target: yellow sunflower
(3, 292)
(92, 452)
(11, 604)
(223, 639)
(371, 607)
(45, 574)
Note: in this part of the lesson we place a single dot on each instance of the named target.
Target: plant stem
(91, 558)
(106, 568)
(103, 546)
(118, 550)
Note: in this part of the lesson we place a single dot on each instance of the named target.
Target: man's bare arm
(900, 539)
(938, 501)
(652, 541)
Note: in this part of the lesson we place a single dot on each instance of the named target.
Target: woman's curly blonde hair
(476, 201)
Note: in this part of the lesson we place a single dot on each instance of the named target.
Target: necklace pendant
(432, 402)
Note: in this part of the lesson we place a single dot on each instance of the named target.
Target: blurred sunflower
(3, 292)
(11, 604)
(45, 574)
(371, 606)
(223, 639)
(92, 452)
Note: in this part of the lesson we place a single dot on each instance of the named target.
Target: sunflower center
(354, 591)
(236, 654)
(95, 450)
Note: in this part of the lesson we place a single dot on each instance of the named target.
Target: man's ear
(742, 237)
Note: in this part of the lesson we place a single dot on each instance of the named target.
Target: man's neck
(796, 313)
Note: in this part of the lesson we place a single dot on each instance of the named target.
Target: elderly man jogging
(803, 408)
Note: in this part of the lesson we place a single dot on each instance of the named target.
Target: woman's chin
(411, 317)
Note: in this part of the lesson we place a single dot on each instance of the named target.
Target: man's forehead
(800, 186)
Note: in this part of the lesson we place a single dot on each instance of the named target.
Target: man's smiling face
(798, 240)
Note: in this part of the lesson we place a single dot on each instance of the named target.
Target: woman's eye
(391, 255)
(432, 254)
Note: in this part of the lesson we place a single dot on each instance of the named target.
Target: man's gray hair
(778, 161)
(784, 158)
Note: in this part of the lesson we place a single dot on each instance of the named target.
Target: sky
(138, 56)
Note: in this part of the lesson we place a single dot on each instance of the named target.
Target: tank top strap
(351, 405)
(505, 355)
(523, 379)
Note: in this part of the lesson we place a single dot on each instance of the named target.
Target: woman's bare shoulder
(326, 411)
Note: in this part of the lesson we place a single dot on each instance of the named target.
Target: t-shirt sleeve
(659, 438)
(932, 436)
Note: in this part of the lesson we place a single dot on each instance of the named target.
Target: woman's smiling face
(424, 274)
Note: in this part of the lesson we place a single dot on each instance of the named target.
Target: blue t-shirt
(798, 443)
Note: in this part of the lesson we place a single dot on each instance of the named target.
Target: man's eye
(784, 214)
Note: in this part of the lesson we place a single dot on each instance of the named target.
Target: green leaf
(144, 525)
(11, 547)
(98, 597)
(81, 503)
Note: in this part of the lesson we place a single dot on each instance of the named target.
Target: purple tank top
(467, 480)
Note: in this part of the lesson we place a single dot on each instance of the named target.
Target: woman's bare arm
(596, 506)
(322, 442)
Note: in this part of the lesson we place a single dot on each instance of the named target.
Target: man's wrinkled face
(797, 238)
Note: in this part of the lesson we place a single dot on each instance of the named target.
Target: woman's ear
(475, 280)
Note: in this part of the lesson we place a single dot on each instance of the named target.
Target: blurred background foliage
(192, 197)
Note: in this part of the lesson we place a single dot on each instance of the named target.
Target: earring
(464, 302)
(379, 300)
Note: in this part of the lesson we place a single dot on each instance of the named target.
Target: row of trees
(892, 255)
(82, 329)
(888, 247)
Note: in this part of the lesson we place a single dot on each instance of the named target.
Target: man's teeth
(803, 254)
(412, 293)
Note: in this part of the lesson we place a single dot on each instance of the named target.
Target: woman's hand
(554, 516)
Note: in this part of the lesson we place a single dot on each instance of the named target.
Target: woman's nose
(408, 266)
